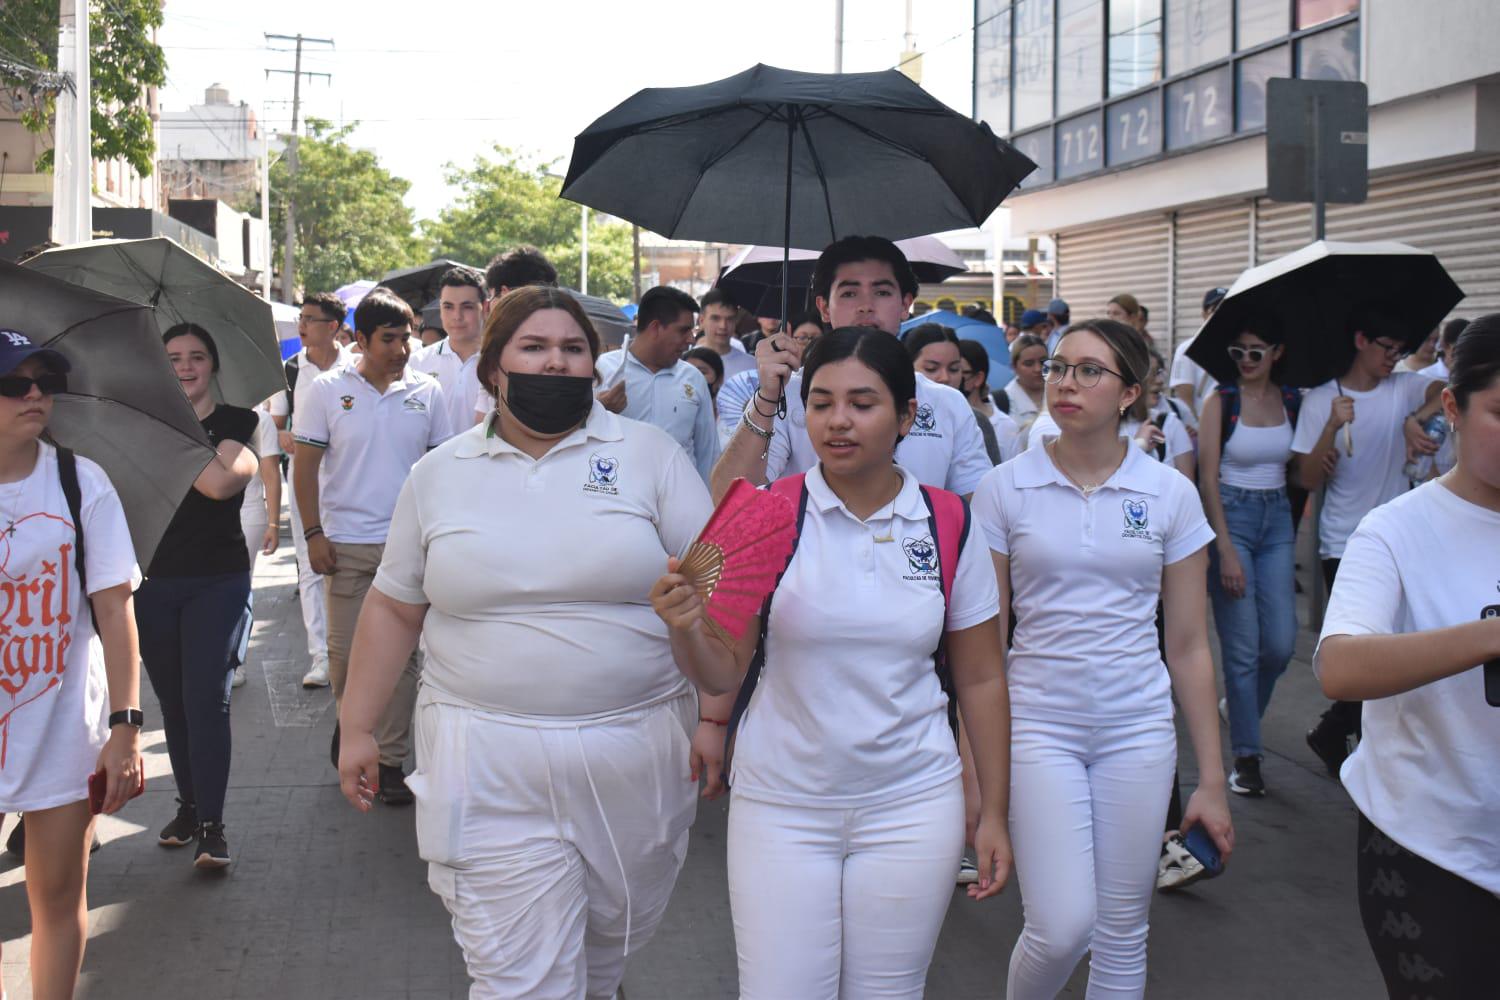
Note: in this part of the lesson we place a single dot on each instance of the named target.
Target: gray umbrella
(124, 408)
(612, 325)
(180, 288)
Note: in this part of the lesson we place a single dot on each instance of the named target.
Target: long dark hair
(1474, 362)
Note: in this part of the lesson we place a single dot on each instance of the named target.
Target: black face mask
(549, 404)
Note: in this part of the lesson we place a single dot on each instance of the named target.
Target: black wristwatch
(127, 717)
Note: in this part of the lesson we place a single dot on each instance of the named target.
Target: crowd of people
(997, 601)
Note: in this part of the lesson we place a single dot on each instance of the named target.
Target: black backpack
(67, 471)
(1229, 409)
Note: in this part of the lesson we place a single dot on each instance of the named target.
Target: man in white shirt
(1057, 312)
(660, 387)
(1353, 436)
(1188, 382)
(359, 431)
(859, 281)
(717, 318)
(452, 360)
(318, 323)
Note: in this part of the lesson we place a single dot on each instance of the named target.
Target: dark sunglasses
(1255, 354)
(17, 386)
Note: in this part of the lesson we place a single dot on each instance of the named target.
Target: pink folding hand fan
(739, 555)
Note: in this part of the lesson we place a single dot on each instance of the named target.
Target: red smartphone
(99, 785)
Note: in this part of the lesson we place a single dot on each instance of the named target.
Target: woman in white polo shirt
(552, 785)
(1088, 533)
(1413, 615)
(847, 815)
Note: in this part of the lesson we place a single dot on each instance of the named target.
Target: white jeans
(309, 584)
(554, 845)
(1087, 807)
(841, 903)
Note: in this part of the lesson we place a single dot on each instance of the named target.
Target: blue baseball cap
(1057, 307)
(16, 347)
(1031, 318)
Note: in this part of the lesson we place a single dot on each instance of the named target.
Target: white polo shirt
(849, 711)
(307, 372)
(1373, 474)
(944, 447)
(1186, 371)
(675, 399)
(737, 360)
(456, 376)
(370, 440)
(1425, 772)
(1021, 405)
(1085, 581)
(538, 597)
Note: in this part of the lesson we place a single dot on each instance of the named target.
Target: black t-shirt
(205, 538)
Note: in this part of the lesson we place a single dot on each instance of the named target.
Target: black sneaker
(183, 830)
(212, 851)
(1330, 741)
(393, 790)
(1245, 778)
(16, 842)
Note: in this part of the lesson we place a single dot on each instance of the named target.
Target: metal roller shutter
(1128, 255)
(1453, 211)
(1211, 247)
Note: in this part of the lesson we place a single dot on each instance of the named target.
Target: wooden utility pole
(289, 254)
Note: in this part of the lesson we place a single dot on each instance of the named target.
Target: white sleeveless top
(1255, 458)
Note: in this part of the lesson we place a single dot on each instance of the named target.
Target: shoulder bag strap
(67, 471)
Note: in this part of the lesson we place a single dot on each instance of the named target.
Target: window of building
(992, 66)
(1260, 21)
(1037, 147)
(1033, 69)
(1133, 128)
(1134, 44)
(1080, 54)
(1253, 72)
(1311, 13)
(1197, 33)
(1200, 108)
(1330, 55)
(1080, 145)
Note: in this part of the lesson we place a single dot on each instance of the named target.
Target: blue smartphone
(1201, 846)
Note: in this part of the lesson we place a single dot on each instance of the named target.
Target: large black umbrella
(1312, 293)
(838, 154)
(612, 325)
(124, 408)
(420, 285)
(753, 277)
(181, 288)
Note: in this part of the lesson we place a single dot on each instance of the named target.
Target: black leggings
(1433, 933)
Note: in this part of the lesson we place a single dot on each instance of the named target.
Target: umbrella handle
(1349, 440)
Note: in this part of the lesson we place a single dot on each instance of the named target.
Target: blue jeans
(1257, 632)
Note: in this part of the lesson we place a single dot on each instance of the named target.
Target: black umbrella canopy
(419, 285)
(860, 153)
(124, 408)
(1312, 294)
(612, 325)
(753, 277)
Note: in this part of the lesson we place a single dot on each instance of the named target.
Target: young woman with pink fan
(847, 817)
(553, 793)
(1088, 533)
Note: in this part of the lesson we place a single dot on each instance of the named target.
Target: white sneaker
(968, 872)
(239, 681)
(1177, 867)
(317, 677)
(1224, 710)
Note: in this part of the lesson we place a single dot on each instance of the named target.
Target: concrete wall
(1415, 46)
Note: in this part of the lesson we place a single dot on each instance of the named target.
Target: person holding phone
(1088, 533)
(847, 812)
(1421, 649)
(70, 708)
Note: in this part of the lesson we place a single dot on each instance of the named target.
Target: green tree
(124, 60)
(352, 221)
(509, 198)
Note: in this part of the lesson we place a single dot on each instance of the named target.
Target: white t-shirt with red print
(54, 695)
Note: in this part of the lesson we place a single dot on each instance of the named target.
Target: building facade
(1146, 119)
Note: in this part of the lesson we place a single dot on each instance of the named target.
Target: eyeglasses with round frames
(1086, 373)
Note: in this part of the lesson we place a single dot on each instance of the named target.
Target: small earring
(1122, 410)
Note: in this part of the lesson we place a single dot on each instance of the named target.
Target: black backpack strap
(67, 471)
(292, 367)
(1229, 412)
(1160, 423)
(758, 659)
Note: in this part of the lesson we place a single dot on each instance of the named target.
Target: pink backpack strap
(949, 515)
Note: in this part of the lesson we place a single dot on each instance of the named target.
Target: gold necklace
(1088, 489)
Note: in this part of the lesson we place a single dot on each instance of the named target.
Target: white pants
(554, 845)
(309, 585)
(841, 903)
(1087, 808)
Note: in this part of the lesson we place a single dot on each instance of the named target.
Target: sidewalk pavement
(323, 902)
